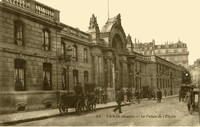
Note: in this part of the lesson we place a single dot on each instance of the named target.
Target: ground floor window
(85, 77)
(19, 74)
(47, 76)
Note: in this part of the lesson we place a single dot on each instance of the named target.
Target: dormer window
(19, 32)
(46, 39)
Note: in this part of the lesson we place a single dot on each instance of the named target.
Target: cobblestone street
(168, 113)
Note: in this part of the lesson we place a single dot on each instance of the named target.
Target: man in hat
(119, 98)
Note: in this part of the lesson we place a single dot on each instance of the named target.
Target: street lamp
(68, 59)
(131, 86)
(131, 74)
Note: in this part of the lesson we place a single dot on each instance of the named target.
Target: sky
(162, 20)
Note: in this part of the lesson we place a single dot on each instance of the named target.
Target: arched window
(75, 52)
(85, 58)
(19, 75)
(19, 32)
(46, 39)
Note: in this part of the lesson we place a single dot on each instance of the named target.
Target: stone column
(124, 72)
(96, 70)
(108, 72)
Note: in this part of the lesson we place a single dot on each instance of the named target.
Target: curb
(45, 117)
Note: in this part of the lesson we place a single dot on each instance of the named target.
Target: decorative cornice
(28, 54)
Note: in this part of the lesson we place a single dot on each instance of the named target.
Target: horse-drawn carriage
(80, 100)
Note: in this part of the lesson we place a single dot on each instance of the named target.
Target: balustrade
(44, 11)
(20, 3)
(35, 7)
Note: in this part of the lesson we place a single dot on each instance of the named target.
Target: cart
(71, 100)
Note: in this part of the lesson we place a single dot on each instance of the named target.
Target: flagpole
(108, 9)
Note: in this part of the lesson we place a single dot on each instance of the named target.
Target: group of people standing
(120, 97)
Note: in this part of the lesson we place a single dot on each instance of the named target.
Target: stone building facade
(41, 57)
(174, 52)
(195, 73)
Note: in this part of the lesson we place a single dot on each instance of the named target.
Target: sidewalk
(9, 119)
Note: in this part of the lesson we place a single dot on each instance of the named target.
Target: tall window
(19, 77)
(46, 39)
(47, 76)
(63, 47)
(64, 80)
(19, 32)
(85, 59)
(85, 77)
(75, 52)
(75, 75)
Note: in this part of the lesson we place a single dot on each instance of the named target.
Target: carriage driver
(78, 89)
(80, 93)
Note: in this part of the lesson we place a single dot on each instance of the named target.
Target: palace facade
(41, 57)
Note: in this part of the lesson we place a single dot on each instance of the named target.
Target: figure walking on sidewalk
(119, 98)
(137, 96)
(189, 100)
(159, 95)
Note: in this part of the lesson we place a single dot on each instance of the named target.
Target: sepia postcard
(99, 63)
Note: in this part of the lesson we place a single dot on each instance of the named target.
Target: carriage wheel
(89, 106)
(191, 109)
(62, 108)
(79, 106)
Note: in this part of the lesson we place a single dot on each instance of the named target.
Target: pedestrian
(171, 92)
(123, 94)
(183, 95)
(159, 95)
(97, 95)
(149, 94)
(180, 96)
(141, 94)
(165, 92)
(119, 98)
(104, 96)
(129, 95)
(154, 94)
(137, 96)
(189, 101)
